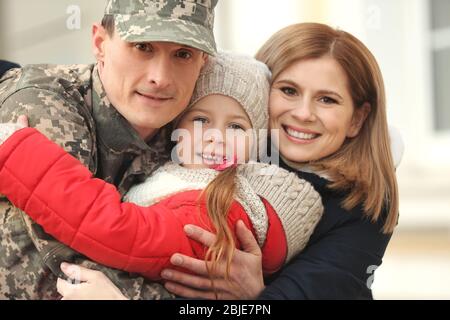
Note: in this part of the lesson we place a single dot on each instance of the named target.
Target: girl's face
(213, 131)
(311, 106)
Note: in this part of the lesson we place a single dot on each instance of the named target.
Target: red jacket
(87, 214)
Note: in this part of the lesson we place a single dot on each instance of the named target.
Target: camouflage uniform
(69, 105)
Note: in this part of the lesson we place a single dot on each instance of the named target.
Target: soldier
(113, 116)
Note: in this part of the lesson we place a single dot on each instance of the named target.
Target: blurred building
(410, 39)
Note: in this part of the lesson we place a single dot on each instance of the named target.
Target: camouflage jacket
(69, 105)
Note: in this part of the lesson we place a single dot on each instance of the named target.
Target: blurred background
(410, 39)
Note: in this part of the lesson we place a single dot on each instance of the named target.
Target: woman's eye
(145, 47)
(184, 54)
(327, 100)
(289, 91)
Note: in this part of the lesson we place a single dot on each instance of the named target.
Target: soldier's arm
(55, 116)
(60, 121)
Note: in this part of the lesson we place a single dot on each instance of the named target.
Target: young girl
(208, 189)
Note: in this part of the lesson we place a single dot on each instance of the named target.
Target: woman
(328, 104)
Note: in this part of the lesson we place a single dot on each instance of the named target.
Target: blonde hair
(363, 166)
(219, 195)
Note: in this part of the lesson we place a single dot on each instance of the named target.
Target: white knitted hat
(240, 77)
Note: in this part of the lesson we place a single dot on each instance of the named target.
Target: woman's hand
(89, 285)
(8, 129)
(246, 270)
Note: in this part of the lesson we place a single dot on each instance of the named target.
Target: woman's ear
(359, 116)
(99, 35)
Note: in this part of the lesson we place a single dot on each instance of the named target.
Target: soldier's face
(148, 83)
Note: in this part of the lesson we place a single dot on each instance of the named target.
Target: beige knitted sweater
(295, 201)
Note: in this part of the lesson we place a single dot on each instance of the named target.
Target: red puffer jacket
(87, 214)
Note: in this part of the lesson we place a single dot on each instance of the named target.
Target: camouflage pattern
(187, 22)
(69, 105)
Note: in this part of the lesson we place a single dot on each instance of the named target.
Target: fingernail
(166, 274)
(188, 229)
(67, 268)
(64, 266)
(177, 260)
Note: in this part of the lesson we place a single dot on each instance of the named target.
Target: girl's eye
(184, 54)
(145, 47)
(200, 119)
(327, 100)
(236, 126)
(289, 91)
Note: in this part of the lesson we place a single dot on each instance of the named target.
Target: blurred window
(440, 17)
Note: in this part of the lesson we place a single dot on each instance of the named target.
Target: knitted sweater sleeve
(59, 193)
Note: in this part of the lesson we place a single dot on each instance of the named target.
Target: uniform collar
(113, 129)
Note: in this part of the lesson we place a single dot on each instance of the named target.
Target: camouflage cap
(187, 22)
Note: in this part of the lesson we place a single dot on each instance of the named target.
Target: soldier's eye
(184, 54)
(145, 47)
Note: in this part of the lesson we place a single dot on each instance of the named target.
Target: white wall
(37, 32)
(402, 46)
(244, 25)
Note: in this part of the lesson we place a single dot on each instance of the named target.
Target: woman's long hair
(363, 166)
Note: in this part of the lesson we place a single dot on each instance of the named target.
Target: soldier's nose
(160, 73)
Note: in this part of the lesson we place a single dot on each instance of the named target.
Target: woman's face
(311, 106)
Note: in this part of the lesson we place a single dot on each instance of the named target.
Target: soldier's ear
(205, 57)
(99, 35)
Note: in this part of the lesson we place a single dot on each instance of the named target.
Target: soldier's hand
(8, 129)
(246, 273)
(88, 285)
